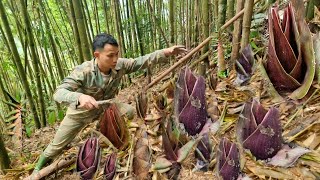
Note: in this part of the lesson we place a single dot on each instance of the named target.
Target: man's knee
(67, 131)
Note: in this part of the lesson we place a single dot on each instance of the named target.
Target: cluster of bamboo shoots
(290, 67)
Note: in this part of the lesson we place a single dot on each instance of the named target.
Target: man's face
(107, 57)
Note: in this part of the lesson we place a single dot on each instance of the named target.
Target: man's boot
(41, 162)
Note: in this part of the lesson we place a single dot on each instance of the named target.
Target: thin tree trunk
(248, 11)
(222, 12)
(157, 24)
(230, 12)
(236, 37)
(152, 27)
(133, 10)
(52, 41)
(3, 90)
(188, 25)
(196, 22)
(64, 19)
(81, 27)
(35, 62)
(96, 13)
(76, 34)
(119, 27)
(171, 20)
(86, 25)
(124, 25)
(86, 13)
(215, 14)
(129, 25)
(54, 23)
(4, 158)
(191, 24)
(160, 14)
(105, 10)
(133, 31)
(182, 22)
(17, 60)
(205, 27)
(50, 69)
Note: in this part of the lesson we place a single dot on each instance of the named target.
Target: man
(95, 80)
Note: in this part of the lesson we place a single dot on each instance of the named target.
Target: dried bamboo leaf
(161, 163)
(169, 148)
(184, 151)
(287, 156)
(141, 104)
(17, 137)
(142, 157)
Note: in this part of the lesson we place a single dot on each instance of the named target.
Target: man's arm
(156, 57)
(66, 92)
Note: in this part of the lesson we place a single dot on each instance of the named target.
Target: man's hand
(175, 50)
(87, 102)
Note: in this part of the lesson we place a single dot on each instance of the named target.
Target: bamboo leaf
(12, 118)
(15, 111)
(161, 163)
(184, 151)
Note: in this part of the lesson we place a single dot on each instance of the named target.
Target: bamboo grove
(42, 40)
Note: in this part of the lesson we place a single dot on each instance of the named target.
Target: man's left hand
(175, 50)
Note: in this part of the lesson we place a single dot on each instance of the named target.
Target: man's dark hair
(102, 39)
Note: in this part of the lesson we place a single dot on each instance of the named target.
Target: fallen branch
(130, 158)
(175, 65)
(55, 166)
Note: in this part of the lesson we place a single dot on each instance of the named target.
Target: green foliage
(28, 131)
(223, 74)
(60, 115)
(52, 118)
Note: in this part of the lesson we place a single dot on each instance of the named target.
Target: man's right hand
(87, 102)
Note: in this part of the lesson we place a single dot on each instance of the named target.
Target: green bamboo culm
(18, 63)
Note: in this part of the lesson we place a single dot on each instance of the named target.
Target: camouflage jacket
(87, 79)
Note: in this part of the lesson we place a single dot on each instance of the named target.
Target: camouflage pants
(72, 124)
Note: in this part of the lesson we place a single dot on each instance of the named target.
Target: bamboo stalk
(234, 18)
(174, 66)
(247, 17)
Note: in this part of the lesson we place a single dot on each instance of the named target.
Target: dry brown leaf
(17, 132)
(142, 157)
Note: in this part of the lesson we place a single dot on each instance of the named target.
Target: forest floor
(300, 121)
